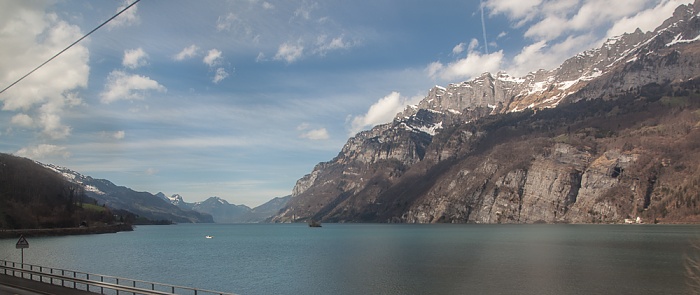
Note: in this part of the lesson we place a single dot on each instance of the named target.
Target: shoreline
(45, 232)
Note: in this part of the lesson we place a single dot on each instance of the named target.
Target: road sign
(22, 243)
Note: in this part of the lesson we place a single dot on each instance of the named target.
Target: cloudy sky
(239, 99)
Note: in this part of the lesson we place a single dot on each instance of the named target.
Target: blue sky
(239, 99)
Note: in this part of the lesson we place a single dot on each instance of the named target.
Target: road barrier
(95, 283)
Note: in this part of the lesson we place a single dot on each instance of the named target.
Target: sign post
(21, 244)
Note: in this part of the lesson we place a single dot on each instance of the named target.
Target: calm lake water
(384, 258)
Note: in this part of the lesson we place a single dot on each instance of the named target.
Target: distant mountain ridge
(224, 212)
(544, 147)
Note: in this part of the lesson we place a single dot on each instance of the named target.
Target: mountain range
(612, 134)
(173, 209)
(224, 212)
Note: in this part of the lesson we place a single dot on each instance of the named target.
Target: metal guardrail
(95, 283)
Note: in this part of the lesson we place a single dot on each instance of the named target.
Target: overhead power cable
(69, 46)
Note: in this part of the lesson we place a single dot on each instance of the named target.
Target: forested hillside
(32, 196)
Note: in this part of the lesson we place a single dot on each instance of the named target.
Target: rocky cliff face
(551, 146)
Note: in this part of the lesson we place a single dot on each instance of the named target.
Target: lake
(384, 258)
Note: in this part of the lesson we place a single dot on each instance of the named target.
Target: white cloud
(187, 52)
(225, 23)
(382, 111)
(473, 44)
(459, 48)
(548, 28)
(240, 25)
(123, 86)
(260, 57)
(515, 9)
(268, 5)
(213, 58)
(220, 75)
(116, 135)
(646, 20)
(29, 38)
(465, 68)
(23, 120)
(42, 151)
(434, 68)
(127, 18)
(289, 53)
(119, 134)
(134, 58)
(304, 11)
(52, 126)
(541, 55)
(560, 29)
(324, 45)
(315, 134)
(151, 171)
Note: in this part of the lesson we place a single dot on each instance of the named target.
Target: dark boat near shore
(314, 223)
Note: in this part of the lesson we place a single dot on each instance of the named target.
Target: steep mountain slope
(591, 141)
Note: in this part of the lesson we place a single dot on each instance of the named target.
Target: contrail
(483, 26)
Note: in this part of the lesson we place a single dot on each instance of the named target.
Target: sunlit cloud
(646, 20)
(127, 18)
(123, 86)
(213, 58)
(119, 134)
(187, 53)
(558, 30)
(304, 11)
(315, 134)
(41, 97)
(43, 151)
(474, 64)
(23, 120)
(289, 53)
(134, 58)
(382, 111)
(220, 75)
(325, 44)
(459, 48)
